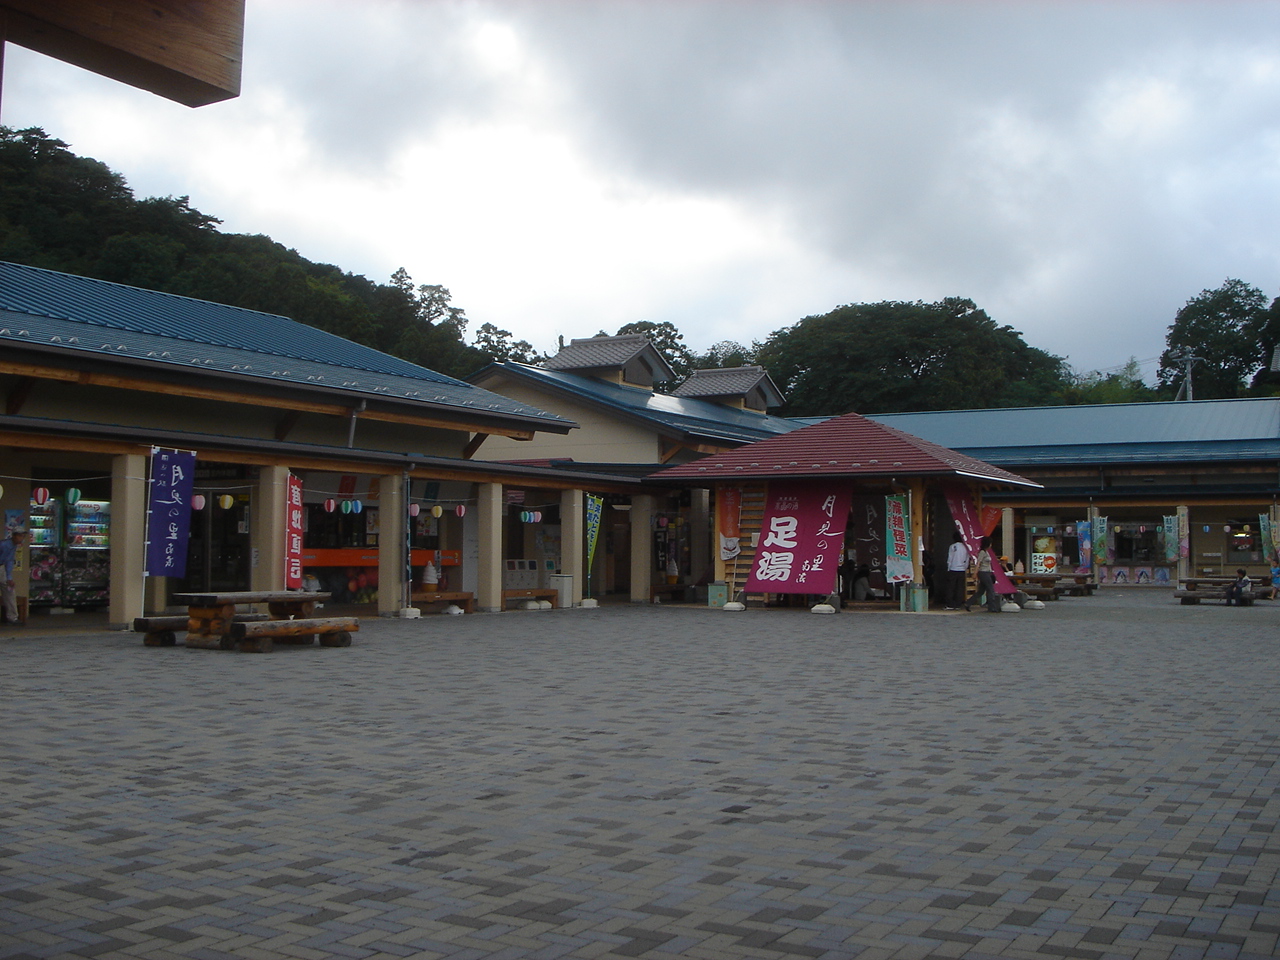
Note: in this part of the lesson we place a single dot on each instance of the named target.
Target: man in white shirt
(957, 567)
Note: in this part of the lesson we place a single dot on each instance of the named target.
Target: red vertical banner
(800, 538)
(293, 526)
(729, 521)
(990, 518)
(965, 513)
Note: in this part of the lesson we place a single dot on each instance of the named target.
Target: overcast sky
(1078, 169)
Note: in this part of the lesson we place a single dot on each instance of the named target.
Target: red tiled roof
(848, 446)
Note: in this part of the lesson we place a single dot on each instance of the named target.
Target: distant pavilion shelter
(904, 496)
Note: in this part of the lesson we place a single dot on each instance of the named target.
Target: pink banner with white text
(800, 538)
(965, 513)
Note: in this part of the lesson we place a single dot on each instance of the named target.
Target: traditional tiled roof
(676, 417)
(730, 382)
(848, 446)
(68, 315)
(610, 353)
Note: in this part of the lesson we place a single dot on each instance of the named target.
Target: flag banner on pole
(293, 524)
(169, 512)
(965, 512)
(594, 507)
(897, 540)
(729, 521)
(801, 536)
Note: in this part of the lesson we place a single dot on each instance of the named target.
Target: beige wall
(601, 436)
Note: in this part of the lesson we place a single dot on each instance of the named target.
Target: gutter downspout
(355, 413)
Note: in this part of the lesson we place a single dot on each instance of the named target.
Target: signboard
(594, 507)
(965, 513)
(897, 539)
(169, 512)
(800, 538)
(293, 524)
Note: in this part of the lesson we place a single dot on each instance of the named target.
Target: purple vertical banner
(169, 512)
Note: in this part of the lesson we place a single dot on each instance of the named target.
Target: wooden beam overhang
(473, 445)
(18, 396)
(275, 400)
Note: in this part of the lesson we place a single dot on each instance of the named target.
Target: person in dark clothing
(1237, 588)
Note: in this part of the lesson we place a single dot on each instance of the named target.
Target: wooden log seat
(465, 599)
(532, 593)
(1040, 592)
(163, 631)
(1189, 597)
(673, 590)
(258, 636)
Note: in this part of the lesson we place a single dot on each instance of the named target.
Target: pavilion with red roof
(885, 476)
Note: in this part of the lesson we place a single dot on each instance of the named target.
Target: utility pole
(1185, 357)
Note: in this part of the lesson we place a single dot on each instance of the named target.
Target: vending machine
(70, 553)
(44, 553)
(86, 554)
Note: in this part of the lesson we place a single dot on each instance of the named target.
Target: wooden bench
(465, 600)
(163, 631)
(1077, 586)
(672, 590)
(258, 636)
(212, 615)
(1040, 591)
(532, 593)
(1207, 592)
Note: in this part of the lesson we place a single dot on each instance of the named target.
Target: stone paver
(1094, 780)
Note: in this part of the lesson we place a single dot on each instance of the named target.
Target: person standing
(957, 567)
(986, 579)
(8, 548)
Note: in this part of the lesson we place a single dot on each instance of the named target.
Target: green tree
(894, 356)
(725, 353)
(1120, 386)
(498, 345)
(1228, 330)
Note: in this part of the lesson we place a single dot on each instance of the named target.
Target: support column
(700, 534)
(128, 539)
(490, 508)
(1008, 547)
(573, 540)
(267, 528)
(393, 518)
(641, 547)
(916, 521)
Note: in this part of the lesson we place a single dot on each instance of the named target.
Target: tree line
(74, 214)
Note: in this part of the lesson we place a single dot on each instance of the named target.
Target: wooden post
(641, 547)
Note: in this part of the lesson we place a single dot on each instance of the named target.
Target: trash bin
(717, 593)
(562, 583)
(915, 598)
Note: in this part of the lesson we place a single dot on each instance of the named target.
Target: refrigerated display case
(86, 554)
(70, 553)
(44, 552)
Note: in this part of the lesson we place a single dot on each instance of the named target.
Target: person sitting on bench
(1236, 589)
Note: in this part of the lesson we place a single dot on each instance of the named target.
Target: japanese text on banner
(169, 512)
(800, 538)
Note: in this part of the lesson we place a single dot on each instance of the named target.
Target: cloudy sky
(1079, 169)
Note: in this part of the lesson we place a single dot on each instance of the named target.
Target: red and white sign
(800, 538)
(293, 528)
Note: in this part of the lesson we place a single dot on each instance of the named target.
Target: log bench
(672, 590)
(465, 599)
(532, 593)
(1040, 592)
(163, 631)
(259, 636)
(211, 615)
(1189, 597)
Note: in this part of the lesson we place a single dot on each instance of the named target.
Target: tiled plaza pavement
(1093, 780)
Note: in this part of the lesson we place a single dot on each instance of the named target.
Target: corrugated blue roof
(1246, 429)
(686, 415)
(80, 314)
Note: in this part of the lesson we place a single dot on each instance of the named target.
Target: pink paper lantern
(414, 509)
(460, 510)
(330, 505)
(197, 502)
(40, 495)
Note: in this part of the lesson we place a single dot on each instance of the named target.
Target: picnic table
(212, 623)
(1040, 585)
(1191, 590)
(1077, 584)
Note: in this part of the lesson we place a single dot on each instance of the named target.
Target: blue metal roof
(1201, 430)
(78, 314)
(685, 415)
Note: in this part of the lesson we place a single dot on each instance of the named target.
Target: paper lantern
(346, 506)
(662, 521)
(226, 501)
(40, 495)
(1227, 528)
(1245, 528)
(414, 509)
(437, 510)
(73, 495)
(1, 489)
(524, 516)
(330, 505)
(537, 516)
(197, 502)
(356, 506)
(460, 510)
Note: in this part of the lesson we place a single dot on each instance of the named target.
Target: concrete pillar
(490, 510)
(1184, 528)
(916, 520)
(642, 507)
(267, 525)
(1008, 547)
(573, 540)
(393, 519)
(128, 539)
